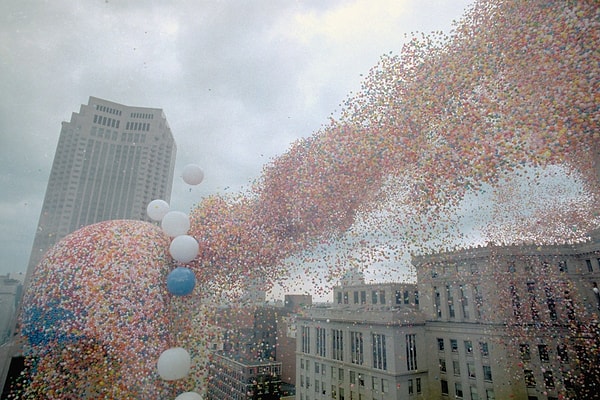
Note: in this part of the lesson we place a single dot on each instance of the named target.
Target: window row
(377, 297)
(106, 121)
(142, 115)
(473, 392)
(107, 109)
(471, 370)
(484, 350)
(356, 346)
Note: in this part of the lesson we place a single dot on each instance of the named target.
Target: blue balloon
(181, 281)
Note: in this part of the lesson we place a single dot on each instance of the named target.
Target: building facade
(518, 322)
(238, 377)
(368, 345)
(110, 162)
(485, 323)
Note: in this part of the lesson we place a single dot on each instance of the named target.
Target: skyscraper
(111, 161)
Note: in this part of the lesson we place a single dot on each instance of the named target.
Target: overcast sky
(239, 81)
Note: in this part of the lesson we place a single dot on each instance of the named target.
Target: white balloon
(175, 223)
(192, 174)
(184, 248)
(174, 363)
(157, 209)
(189, 396)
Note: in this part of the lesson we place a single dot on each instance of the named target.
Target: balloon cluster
(175, 362)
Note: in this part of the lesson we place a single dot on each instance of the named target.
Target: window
(471, 369)
(410, 387)
(382, 296)
(374, 296)
(489, 394)
(363, 297)
(301, 363)
(352, 377)
(345, 297)
(306, 339)
(337, 344)
(418, 380)
(442, 365)
(562, 266)
(411, 352)
(333, 392)
(469, 347)
(355, 297)
(483, 348)
(563, 355)
(516, 301)
(375, 384)
(543, 350)
(339, 297)
(416, 297)
(451, 311)
(550, 303)
(321, 342)
(406, 297)
(464, 302)
(341, 374)
(533, 301)
(525, 352)
(454, 345)
(398, 296)
(529, 378)
(440, 342)
(437, 301)
(385, 386)
(444, 386)
(356, 347)
(548, 379)
(487, 373)
(379, 352)
(589, 265)
(456, 367)
(458, 390)
(474, 393)
(317, 368)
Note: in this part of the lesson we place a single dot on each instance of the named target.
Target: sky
(239, 82)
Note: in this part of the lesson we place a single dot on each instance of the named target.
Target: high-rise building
(110, 162)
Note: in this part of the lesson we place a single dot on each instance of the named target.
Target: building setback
(110, 162)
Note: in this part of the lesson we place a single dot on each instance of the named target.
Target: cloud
(238, 81)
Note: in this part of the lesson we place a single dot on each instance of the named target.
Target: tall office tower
(110, 162)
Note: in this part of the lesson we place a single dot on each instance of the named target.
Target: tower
(110, 162)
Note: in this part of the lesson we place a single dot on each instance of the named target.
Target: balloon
(174, 363)
(157, 209)
(193, 174)
(189, 396)
(175, 223)
(184, 248)
(181, 281)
